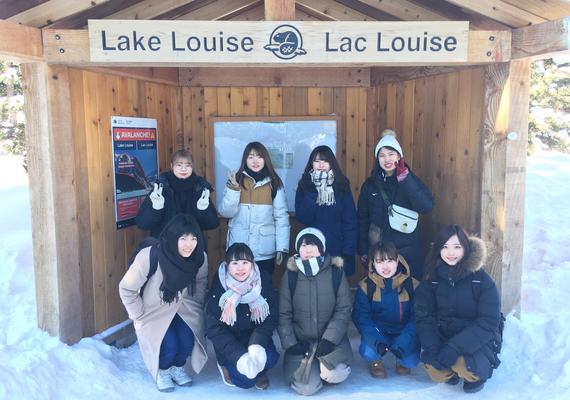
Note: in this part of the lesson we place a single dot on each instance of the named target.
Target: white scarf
(310, 267)
(248, 291)
(323, 183)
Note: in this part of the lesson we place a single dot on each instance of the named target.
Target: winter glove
(257, 352)
(325, 347)
(232, 182)
(364, 261)
(398, 352)
(249, 365)
(447, 356)
(156, 197)
(204, 200)
(381, 348)
(279, 257)
(299, 348)
(401, 170)
(429, 358)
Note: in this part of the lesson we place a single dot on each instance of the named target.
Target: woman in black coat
(241, 315)
(178, 191)
(458, 312)
(391, 177)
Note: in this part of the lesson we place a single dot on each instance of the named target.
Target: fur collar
(336, 261)
(476, 259)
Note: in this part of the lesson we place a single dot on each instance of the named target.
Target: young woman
(254, 201)
(458, 312)
(241, 315)
(314, 313)
(383, 312)
(391, 181)
(177, 191)
(168, 316)
(324, 201)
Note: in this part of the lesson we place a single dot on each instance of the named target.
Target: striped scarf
(323, 183)
(310, 267)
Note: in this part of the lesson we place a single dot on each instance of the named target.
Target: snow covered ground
(535, 358)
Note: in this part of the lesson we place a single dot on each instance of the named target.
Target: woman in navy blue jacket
(392, 177)
(324, 201)
(241, 315)
(383, 311)
(458, 312)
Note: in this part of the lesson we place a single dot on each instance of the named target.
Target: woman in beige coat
(167, 307)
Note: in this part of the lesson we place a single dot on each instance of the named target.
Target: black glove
(300, 348)
(381, 348)
(447, 356)
(430, 358)
(325, 347)
(398, 352)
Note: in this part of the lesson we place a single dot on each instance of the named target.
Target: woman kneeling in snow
(166, 302)
(314, 313)
(383, 311)
(458, 312)
(241, 316)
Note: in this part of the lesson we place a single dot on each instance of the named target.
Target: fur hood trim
(477, 256)
(336, 261)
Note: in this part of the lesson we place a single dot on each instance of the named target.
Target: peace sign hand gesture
(156, 197)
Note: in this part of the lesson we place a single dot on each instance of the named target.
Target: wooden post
(504, 136)
(279, 10)
(51, 167)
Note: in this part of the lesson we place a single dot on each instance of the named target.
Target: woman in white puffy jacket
(254, 201)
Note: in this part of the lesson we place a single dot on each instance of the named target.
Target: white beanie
(388, 140)
(310, 231)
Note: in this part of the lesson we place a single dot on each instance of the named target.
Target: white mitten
(204, 200)
(258, 353)
(247, 366)
(156, 197)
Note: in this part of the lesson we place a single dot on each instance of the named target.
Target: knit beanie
(388, 140)
(310, 231)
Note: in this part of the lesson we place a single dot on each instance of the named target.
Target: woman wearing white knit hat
(391, 184)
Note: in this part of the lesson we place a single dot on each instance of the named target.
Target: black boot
(473, 387)
(454, 380)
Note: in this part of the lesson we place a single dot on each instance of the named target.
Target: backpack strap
(476, 285)
(153, 261)
(292, 278)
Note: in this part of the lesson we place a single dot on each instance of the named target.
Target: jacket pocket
(267, 240)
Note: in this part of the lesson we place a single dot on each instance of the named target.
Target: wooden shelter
(463, 126)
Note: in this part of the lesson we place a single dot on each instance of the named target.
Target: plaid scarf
(248, 291)
(310, 267)
(323, 183)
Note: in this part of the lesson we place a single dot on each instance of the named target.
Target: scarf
(248, 291)
(257, 176)
(177, 272)
(183, 190)
(310, 267)
(323, 183)
(396, 282)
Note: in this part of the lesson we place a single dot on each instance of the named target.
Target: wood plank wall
(438, 120)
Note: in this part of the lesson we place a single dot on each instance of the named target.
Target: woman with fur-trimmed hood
(314, 313)
(458, 312)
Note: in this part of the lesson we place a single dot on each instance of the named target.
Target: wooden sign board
(274, 42)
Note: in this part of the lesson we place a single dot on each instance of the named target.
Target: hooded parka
(152, 316)
(463, 312)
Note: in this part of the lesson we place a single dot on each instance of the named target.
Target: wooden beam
(383, 75)
(500, 11)
(279, 10)
(542, 39)
(374, 13)
(330, 10)
(20, 43)
(9, 8)
(68, 46)
(406, 10)
(164, 75)
(99, 11)
(254, 14)
(547, 9)
(504, 136)
(221, 10)
(275, 77)
(52, 11)
(152, 9)
(51, 168)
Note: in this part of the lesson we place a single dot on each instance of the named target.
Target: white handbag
(402, 219)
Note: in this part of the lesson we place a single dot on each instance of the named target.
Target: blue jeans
(176, 345)
(243, 381)
(369, 353)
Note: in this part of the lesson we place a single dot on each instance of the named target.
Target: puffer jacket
(155, 220)
(393, 315)
(257, 219)
(337, 222)
(315, 312)
(449, 311)
(231, 342)
(372, 213)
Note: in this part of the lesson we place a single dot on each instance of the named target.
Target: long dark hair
(434, 256)
(326, 154)
(268, 169)
(239, 251)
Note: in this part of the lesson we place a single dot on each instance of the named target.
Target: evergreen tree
(12, 137)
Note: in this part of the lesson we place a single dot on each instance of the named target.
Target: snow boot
(262, 382)
(401, 370)
(473, 387)
(225, 375)
(164, 381)
(454, 380)
(377, 369)
(180, 376)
